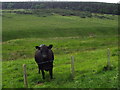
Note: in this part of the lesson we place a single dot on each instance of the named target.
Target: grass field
(25, 26)
(87, 39)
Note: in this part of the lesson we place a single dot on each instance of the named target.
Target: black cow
(44, 58)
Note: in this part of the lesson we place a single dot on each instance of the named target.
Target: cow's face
(44, 50)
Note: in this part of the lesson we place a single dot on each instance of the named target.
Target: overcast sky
(108, 1)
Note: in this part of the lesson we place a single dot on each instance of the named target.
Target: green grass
(87, 39)
(25, 48)
(88, 71)
(23, 26)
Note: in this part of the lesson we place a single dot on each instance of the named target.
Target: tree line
(92, 7)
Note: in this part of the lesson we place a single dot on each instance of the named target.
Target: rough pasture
(86, 39)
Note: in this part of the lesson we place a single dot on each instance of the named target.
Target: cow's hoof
(38, 82)
(52, 78)
(43, 78)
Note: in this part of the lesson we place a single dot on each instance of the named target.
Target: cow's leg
(39, 70)
(43, 74)
(51, 74)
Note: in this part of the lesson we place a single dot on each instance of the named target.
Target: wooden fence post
(108, 61)
(25, 76)
(72, 67)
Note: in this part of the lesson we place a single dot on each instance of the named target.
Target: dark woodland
(92, 7)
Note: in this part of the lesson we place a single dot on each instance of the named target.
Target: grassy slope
(70, 36)
(23, 26)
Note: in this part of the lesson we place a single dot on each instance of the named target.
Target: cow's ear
(50, 46)
(37, 47)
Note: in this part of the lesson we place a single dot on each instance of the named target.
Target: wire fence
(28, 65)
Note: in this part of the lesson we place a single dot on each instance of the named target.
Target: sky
(108, 1)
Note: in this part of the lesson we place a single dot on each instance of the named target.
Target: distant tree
(10, 5)
(38, 6)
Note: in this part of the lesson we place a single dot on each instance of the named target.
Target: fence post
(108, 61)
(25, 76)
(72, 67)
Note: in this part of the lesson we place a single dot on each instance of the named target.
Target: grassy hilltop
(85, 38)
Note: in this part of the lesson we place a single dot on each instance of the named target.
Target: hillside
(33, 25)
(87, 39)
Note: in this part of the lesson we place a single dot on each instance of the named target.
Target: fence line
(25, 76)
(108, 61)
(72, 67)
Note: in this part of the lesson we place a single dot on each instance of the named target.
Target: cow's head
(44, 50)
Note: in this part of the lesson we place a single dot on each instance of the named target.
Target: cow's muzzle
(44, 56)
